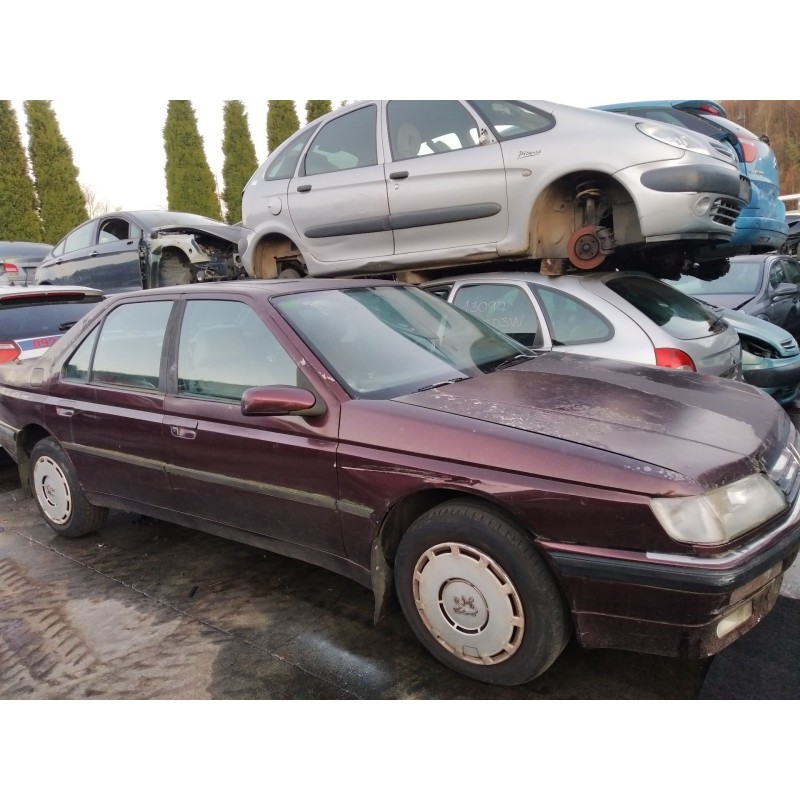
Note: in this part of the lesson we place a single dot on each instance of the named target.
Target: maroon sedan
(511, 500)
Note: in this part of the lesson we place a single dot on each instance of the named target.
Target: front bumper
(690, 606)
(689, 200)
(773, 373)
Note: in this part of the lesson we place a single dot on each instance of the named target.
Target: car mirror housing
(273, 401)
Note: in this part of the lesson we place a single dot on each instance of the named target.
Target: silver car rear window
(677, 314)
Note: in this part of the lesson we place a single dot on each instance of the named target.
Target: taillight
(8, 352)
(9, 267)
(674, 359)
(749, 148)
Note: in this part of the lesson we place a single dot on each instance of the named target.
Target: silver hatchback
(622, 315)
(396, 186)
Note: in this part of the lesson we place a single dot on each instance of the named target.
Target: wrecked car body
(127, 251)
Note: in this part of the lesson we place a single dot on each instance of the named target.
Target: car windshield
(743, 277)
(382, 342)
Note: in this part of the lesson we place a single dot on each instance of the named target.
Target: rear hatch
(32, 322)
(687, 326)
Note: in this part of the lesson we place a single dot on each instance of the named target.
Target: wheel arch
(270, 250)
(397, 521)
(554, 216)
(26, 440)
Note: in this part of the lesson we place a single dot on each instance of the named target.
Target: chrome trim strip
(257, 487)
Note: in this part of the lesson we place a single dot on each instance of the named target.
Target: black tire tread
(527, 562)
(86, 518)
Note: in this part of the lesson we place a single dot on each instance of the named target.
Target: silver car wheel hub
(468, 603)
(52, 490)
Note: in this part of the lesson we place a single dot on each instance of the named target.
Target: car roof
(259, 286)
(22, 248)
(534, 277)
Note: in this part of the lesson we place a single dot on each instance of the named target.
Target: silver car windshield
(382, 342)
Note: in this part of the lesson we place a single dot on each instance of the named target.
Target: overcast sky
(111, 79)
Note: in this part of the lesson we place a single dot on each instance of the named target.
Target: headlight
(721, 514)
(677, 137)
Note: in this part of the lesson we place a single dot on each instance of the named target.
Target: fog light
(735, 619)
(701, 205)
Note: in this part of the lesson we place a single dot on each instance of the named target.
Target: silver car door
(337, 201)
(446, 183)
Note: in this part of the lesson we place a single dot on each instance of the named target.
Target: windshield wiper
(441, 383)
(513, 360)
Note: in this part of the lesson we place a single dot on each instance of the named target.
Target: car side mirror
(276, 401)
(785, 290)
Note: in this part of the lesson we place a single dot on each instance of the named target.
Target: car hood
(708, 429)
(231, 233)
(759, 328)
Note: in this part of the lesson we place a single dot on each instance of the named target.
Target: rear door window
(676, 313)
(506, 308)
(572, 321)
(128, 351)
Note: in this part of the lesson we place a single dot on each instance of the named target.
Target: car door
(337, 201)
(270, 475)
(113, 261)
(69, 257)
(445, 176)
(111, 403)
(783, 295)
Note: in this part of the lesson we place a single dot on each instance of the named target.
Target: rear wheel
(478, 596)
(58, 493)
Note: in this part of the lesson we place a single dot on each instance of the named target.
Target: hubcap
(469, 604)
(52, 490)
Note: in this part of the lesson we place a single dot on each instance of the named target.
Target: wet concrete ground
(146, 609)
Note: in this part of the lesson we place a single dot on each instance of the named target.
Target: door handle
(93, 253)
(306, 187)
(398, 176)
(180, 432)
(65, 412)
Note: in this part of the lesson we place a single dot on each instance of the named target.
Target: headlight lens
(722, 514)
(677, 137)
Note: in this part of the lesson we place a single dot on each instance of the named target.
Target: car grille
(785, 471)
(789, 345)
(725, 212)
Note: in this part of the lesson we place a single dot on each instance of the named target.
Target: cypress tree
(61, 202)
(19, 220)
(239, 157)
(282, 122)
(190, 183)
(316, 108)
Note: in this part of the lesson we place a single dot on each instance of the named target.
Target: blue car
(762, 226)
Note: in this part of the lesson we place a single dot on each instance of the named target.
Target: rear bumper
(762, 232)
(673, 606)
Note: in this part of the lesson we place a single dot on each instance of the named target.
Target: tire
(58, 493)
(478, 596)
(173, 270)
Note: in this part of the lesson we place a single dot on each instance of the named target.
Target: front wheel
(478, 595)
(58, 493)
